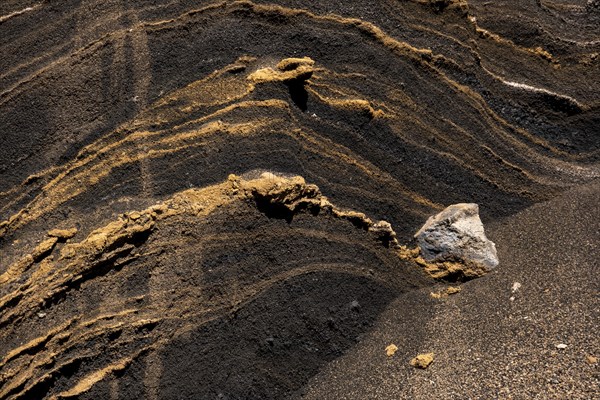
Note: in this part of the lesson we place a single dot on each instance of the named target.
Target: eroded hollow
(298, 93)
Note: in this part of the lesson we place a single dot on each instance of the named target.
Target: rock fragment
(289, 69)
(63, 233)
(422, 361)
(453, 289)
(289, 64)
(43, 249)
(384, 232)
(445, 293)
(391, 350)
(456, 235)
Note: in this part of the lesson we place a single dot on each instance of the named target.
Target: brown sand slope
(486, 345)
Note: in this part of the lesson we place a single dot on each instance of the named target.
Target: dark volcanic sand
(487, 346)
(125, 119)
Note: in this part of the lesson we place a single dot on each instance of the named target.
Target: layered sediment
(237, 183)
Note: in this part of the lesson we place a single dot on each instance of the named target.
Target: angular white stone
(457, 233)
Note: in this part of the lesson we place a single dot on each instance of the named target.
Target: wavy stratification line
(389, 127)
(116, 251)
(6, 17)
(86, 38)
(98, 160)
(222, 94)
(260, 11)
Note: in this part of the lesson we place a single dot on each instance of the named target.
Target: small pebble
(592, 359)
(422, 361)
(391, 350)
(561, 346)
(453, 290)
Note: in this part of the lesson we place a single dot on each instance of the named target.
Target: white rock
(457, 233)
(561, 346)
(516, 286)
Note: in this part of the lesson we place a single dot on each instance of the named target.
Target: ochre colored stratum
(207, 199)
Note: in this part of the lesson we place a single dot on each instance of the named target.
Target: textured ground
(487, 345)
(170, 137)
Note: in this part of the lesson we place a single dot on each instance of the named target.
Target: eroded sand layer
(218, 198)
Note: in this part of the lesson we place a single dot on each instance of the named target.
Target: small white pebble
(512, 298)
(41, 314)
(516, 286)
(561, 346)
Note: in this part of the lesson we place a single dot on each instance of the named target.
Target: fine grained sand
(178, 146)
(486, 345)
